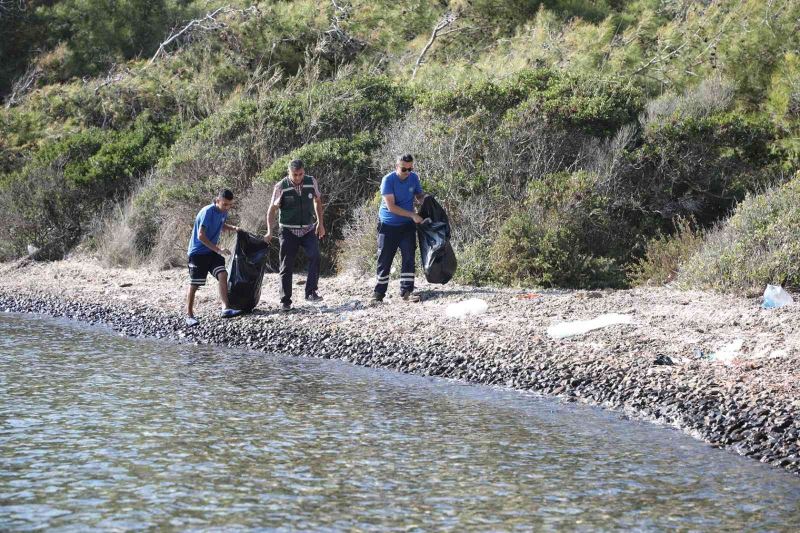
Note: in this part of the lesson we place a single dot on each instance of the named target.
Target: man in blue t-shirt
(205, 255)
(397, 226)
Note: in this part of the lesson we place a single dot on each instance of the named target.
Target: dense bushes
(569, 175)
(759, 244)
(561, 236)
(50, 202)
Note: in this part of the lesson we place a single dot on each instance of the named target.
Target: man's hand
(268, 236)
(417, 219)
(224, 251)
(320, 231)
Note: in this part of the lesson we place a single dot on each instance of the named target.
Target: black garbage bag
(438, 258)
(247, 271)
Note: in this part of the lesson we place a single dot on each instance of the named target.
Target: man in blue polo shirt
(397, 226)
(205, 255)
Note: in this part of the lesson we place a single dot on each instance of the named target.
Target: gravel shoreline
(657, 368)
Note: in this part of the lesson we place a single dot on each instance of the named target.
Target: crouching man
(298, 200)
(206, 257)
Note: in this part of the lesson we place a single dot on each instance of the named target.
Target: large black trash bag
(247, 271)
(438, 258)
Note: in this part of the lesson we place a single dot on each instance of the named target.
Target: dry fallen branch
(207, 23)
(447, 19)
(23, 85)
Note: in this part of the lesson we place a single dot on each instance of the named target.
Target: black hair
(405, 158)
(296, 164)
(225, 194)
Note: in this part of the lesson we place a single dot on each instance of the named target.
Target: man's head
(296, 170)
(224, 200)
(404, 165)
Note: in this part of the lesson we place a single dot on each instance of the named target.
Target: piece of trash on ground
(529, 296)
(473, 306)
(775, 296)
(727, 353)
(663, 360)
(579, 327)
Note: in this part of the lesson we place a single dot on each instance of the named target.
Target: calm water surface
(103, 432)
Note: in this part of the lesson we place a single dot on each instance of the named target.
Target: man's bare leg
(223, 288)
(190, 300)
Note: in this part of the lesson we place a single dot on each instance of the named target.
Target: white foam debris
(579, 327)
(473, 306)
(728, 352)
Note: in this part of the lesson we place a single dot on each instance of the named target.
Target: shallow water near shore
(99, 431)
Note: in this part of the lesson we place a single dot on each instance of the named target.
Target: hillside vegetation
(575, 144)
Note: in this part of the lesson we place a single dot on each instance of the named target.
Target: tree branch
(210, 17)
(447, 19)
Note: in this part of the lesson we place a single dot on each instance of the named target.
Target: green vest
(296, 210)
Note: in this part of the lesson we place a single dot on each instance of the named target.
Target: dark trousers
(290, 243)
(390, 238)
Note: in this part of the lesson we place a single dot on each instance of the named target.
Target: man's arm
(230, 227)
(274, 205)
(270, 221)
(397, 210)
(318, 211)
(202, 237)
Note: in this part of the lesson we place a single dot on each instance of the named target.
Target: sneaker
(286, 307)
(377, 297)
(230, 313)
(313, 297)
(191, 321)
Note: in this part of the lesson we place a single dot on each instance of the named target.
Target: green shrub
(529, 252)
(493, 97)
(699, 166)
(784, 106)
(563, 236)
(332, 109)
(52, 200)
(757, 245)
(595, 105)
(475, 263)
(666, 253)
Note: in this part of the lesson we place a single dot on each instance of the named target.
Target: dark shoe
(313, 297)
(377, 297)
(286, 307)
(408, 295)
(191, 321)
(230, 313)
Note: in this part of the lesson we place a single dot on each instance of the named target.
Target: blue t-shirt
(212, 218)
(404, 191)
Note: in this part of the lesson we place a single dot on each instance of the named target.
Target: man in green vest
(299, 203)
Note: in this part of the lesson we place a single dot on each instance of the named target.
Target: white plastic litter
(473, 306)
(727, 353)
(32, 249)
(579, 327)
(775, 296)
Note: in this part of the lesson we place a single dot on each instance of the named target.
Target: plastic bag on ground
(438, 258)
(246, 271)
(579, 327)
(775, 296)
(473, 306)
